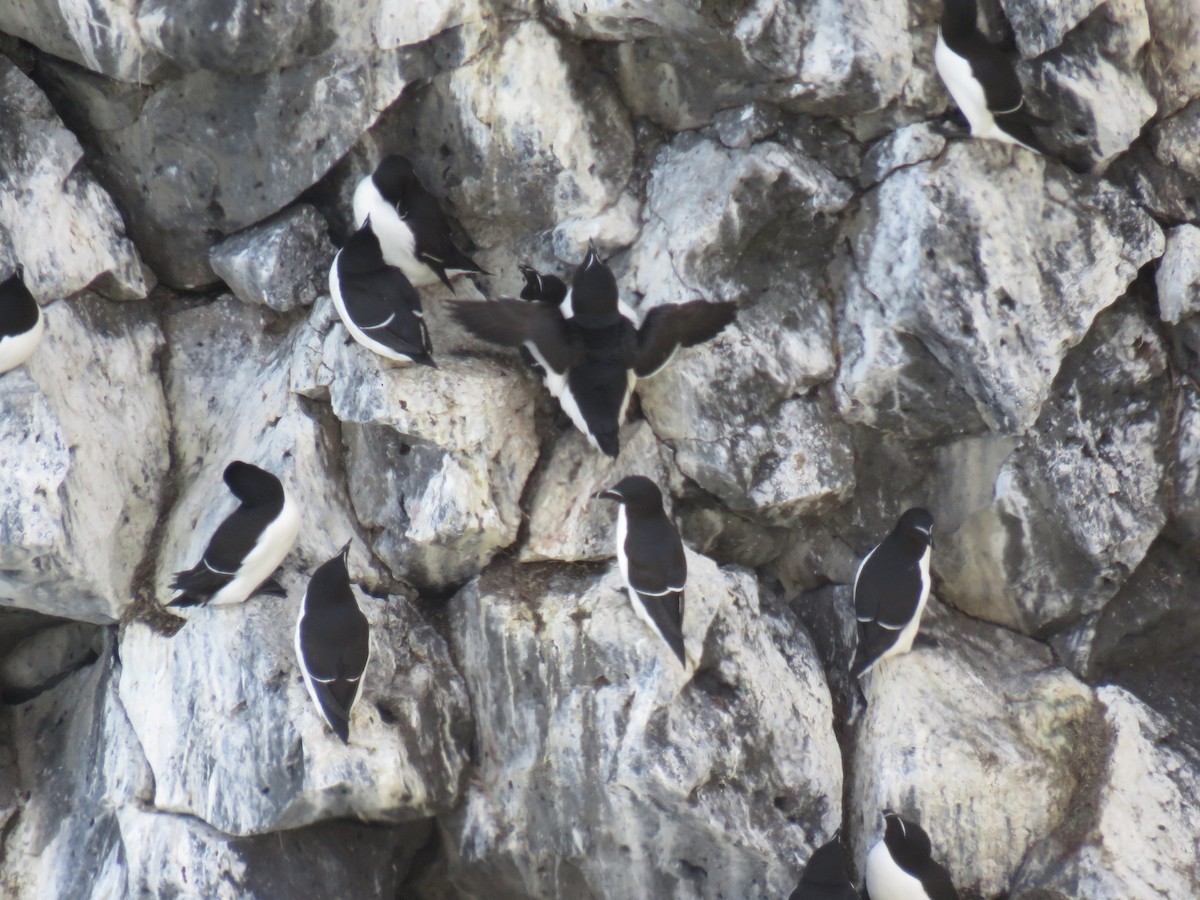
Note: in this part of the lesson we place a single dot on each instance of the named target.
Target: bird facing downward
(891, 589)
(247, 547)
(21, 323)
(901, 866)
(377, 304)
(825, 875)
(593, 353)
(651, 558)
(982, 80)
(333, 643)
(412, 229)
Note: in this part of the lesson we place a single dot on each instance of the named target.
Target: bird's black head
(252, 485)
(361, 253)
(905, 839)
(635, 491)
(916, 528)
(546, 288)
(18, 308)
(959, 18)
(331, 582)
(393, 178)
(827, 865)
(594, 288)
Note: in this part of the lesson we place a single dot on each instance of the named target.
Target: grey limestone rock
(949, 733)
(997, 264)
(556, 662)
(234, 739)
(46, 193)
(1040, 25)
(1076, 505)
(1178, 275)
(85, 429)
(282, 263)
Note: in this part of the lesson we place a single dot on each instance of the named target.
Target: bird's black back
(18, 308)
(372, 291)
(825, 875)
(599, 383)
(334, 635)
(889, 584)
(912, 851)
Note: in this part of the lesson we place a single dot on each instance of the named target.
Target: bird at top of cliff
(247, 546)
(377, 303)
(21, 322)
(891, 588)
(901, 865)
(651, 559)
(982, 80)
(409, 222)
(591, 346)
(825, 875)
(333, 643)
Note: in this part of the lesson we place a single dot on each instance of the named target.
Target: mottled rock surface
(923, 320)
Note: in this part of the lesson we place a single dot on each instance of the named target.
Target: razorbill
(333, 643)
(377, 303)
(982, 80)
(247, 547)
(650, 555)
(540, 288)
(412, 229)
(890, 591)
(21, 322)
(592, 350)
(901, 866)
(825, 875)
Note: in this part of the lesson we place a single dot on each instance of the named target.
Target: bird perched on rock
(901, 866)
(377, 303)
(825, 875)
(591, 351)
(247, 547)
(891, 589)
(21, 322)
(651, 558)
(333, 643)
(982, 80)
(411, 227)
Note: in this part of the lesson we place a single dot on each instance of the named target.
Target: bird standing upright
(901, 866)
(247, 547)
(377, 303)
(21, 322)
(591, 352)
(333, 643)
(891, 589)
(409, 222)
(982, 80)
(651, 558)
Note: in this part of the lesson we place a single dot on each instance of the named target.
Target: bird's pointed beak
(609, 494)
(346, 549)
(592, 255)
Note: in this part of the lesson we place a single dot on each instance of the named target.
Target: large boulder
(84, 429)
(606, 770)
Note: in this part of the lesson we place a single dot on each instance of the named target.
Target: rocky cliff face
(923, 320)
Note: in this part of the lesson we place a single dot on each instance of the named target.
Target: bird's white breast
(967, 92)
(17, 348)
(396, 239)
(909, 632)
(887, 881)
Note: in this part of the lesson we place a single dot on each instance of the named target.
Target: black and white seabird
(982, 80)
(21, 322)
(650, 555)
(411, 227)
(901, 866)
(247, 547)
(333, 643)
(825, 875)
(539, 288)
(891, 589)
(591, 347)
(377, 303)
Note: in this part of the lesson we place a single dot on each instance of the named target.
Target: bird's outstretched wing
(667, 328)
(515, 323)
